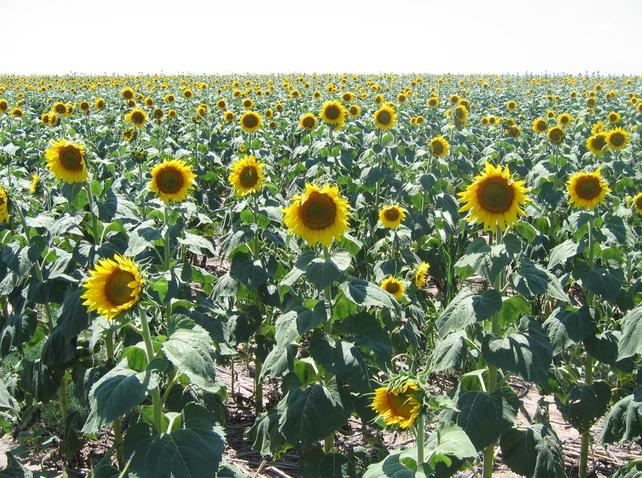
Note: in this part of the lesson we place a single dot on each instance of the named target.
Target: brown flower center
(332, 112)
(117, 288)
(391, 214)
(70, 158)
(384, 117)
(588, 188)
(495, 195)
(169, 180)
(392, 287)
(617, 139)
(318, 211)
(248, 176)
(250, 121)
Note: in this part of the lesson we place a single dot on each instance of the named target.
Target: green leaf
(364, 293)
(265, 435)
(317, 464)
(624, 420)
(482, 259)
(631, 340)
(605, 282)
(450, 440)
(533, 451)
(561, 253)
(484, 417)
(191, 352)
(116, 393)
(532, 280)
(466, 308)
(194, 450)
(293, 324)
(450, 352)
(312, 413)
(197, 244)
(324, 272)
(15, 469)
(568, 325)
(390, 467)
(584, 404)
(341, 358)
(526, 230)
(250, 273)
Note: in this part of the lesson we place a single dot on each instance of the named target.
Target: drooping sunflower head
(637, 202)
(399, 405)
(392, 216)
(34, 187)
(308, 121)
(539, 125)
(596, 143)
(617, 138)
(494, 199)
(393, 286)
(318, 215)
(246, 176)
(113, 286)
(421, 274)
(17, 112)
(4, 205)
(66, 160)
(137, 117)
(439, 146)
(334, 113)
(171, 180)
(587, 190)
(169, 98)
(385, 117)
(556, 135)
(250, 121)
(513, 131)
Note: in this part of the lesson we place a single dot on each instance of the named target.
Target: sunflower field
(324, 276)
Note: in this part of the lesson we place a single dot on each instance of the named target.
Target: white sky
(427, 36)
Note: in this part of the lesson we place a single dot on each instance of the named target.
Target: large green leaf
(532, 280)
(312, 413)
(191, 351)
(294, 323)
(364, 293)
(568, 325)
(252, 274)
(527, 352)
(316, 464)
(450, 352)
(532, 448)
(466, 308)
(482, 259)
(193, 450)
(604, 281)
(631, 340)
(323, 272)
(584, 404)
(561, 253)
(265, 435)
(624, 421)
(341, 358)
(484, 417)
(116, 393)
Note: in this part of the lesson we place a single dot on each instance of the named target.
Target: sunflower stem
(166, 224)
(421, 435)
(94, 220)
(149, 348)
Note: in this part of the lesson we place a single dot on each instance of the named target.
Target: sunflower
(113, 286)
(614, 117)
(637, 202)
(333, 112)
(318, 215)
(34, 187)
(246, 176)
(617, 138)
(4, 105)
(587, 190)
(66, 160)
(393, 286)
(638, 107)
(17, 112)
(564, 119)
(539, 125)
(439, 146)
(250, 121)
(385, 117)
(596, 143)
(59, 108)
(127, 94)
(433, 101)
(99, 103)
(421, 274)
(169, 98)
(556, 134)
(391, 216)
(307, 121)
(354, 110)
(597, 128)
(511, 105)
(461, 114)
(137, 116)
(171, 180)
(513, 131)
(248, 103)
(494, 198)
(84, 106)
(4, 205)
(400, 405)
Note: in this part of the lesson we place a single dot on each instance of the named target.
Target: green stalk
(116, 424)
(421, 436)
(329, 440)
(94, 221)
(156, 397)
(167, 258)
(588, 366)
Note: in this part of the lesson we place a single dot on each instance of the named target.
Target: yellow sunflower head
(333, 112)
(17, 112)
(439, 146)
(421, 274)
(4, 205)
(587, 190)
(385, 117)
(66, 160)
(228, 116)
(4, 105)
(400, 405)
(171, 180)
(99, 103)
(308, 121)
(614, 117)
(391, 216)
(564, 119)
(597, 128)
(59, 108)
(556, 135)
(34, 187)
(246, 176)
(637, 202)
(539, 125)
(393, 286)
(494, 199)
(169, 98)
(354, 110)
(127, 94)
(617, 138)
(433, 101)
(250, 121)
(318, 215)
(596, 143)
(113, 286)
(511, 105)
(137, 117)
